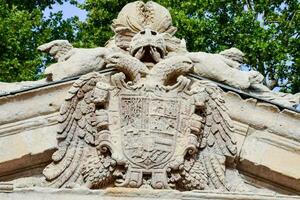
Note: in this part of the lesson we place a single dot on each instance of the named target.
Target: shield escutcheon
(149, 129)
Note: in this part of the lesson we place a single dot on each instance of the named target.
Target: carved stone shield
(149, 126)
(149, 130)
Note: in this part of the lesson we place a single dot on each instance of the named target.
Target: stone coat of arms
(147, 124)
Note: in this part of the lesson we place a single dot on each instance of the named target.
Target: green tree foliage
(96, 30)
(267, 31)
(22, 30)
(32, 4)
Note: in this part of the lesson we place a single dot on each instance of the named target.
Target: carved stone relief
(143, 133)
(145, 31)
(147, 125)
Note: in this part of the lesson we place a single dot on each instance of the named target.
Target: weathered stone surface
(72, 61)
(6, 88)
(33, 103)
(264, 116)
(144, 133)
(268, 155)
(127, 194)
(26, 145)
(245, 111)
(145, 31)
(148, 126)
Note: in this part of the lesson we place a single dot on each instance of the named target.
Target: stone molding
(126, 194)
(277, 127)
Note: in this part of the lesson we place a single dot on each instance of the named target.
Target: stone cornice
(268, 136)
(126, 193)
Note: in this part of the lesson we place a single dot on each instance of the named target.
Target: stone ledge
(132, 194)
(29, 121)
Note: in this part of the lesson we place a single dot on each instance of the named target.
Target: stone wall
(268, 138)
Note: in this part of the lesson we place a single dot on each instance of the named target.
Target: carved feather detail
(194, 175)
(77, 129)
(98, 169)
(216, 144)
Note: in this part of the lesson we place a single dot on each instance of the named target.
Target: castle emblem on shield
(150, 129)
(147, 123)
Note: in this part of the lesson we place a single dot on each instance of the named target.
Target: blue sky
(68, 10)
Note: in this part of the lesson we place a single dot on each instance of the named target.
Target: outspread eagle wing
(217, 144)
(76, 134)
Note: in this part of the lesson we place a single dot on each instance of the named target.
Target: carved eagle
(216, 143)
(79, 121)
(86, 153)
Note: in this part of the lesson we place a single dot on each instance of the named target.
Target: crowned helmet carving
(136, 16)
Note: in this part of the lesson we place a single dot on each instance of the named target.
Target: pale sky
(68, 10)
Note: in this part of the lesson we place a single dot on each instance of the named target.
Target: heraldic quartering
(147, 124)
